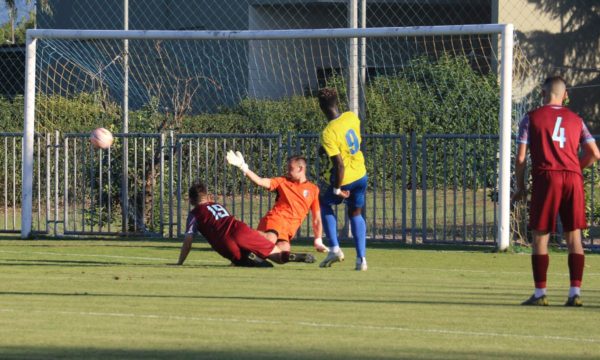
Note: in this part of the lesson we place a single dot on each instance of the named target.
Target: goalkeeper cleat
(574, 300)
(302, 257)
(332, 257)
(536, 301)
(361, 264)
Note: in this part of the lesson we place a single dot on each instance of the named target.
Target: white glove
(319, 245)
(237, 159)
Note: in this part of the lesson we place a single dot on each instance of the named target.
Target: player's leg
(278, 232)
(254, 247)
(326, 201)
(572, 214)
(358, 226)
(576, 265)
(545, 202)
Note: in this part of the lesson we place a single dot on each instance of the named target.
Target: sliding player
(231, 238)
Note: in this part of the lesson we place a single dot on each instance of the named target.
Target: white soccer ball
(101, 138)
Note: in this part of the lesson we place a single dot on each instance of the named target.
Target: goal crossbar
(344, 33)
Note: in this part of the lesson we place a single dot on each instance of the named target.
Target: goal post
(504, 73)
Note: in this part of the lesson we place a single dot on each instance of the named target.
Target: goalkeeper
(295, 196)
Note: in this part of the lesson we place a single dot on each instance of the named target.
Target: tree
(574, 52)
(11, 5)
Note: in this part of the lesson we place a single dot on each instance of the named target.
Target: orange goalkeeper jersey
(294, 200)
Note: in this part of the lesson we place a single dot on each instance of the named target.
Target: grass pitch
(110, 299)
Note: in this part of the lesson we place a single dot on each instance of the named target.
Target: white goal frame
(505, 75)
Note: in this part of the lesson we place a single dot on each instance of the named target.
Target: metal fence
(437, 188)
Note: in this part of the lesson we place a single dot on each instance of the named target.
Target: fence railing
(435, 188)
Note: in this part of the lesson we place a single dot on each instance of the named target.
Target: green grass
(114, 299)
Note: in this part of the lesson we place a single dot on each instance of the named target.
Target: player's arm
(260, 181)
(338, 175)
(186, 246)
(317, 225)
(237, 159)
(590, 154)
(520, 165)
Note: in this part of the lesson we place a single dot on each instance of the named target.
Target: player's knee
(352, 212)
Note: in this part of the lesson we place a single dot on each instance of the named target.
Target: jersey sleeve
(586, 136)
(191, 225)
(328, 140)
(523, 136)
(275, 183)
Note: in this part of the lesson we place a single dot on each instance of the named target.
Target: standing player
(555, 135)
(341, 141)
(295, 196)
(231, 238)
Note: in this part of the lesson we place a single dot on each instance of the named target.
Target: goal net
(436, 105)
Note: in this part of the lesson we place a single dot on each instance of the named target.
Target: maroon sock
(539, 264)
(576, 263)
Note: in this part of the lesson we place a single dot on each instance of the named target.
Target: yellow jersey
(342, 136)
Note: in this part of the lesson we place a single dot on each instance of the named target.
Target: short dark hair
(298, 158)
(196, 191)
(328, 97)
(551, 80)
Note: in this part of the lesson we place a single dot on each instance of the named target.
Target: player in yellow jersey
(341, 141)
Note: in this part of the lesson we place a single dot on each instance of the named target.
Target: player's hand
(344, 194)
(318, 243)
(237, 159)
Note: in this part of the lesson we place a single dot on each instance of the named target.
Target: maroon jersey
(225, 234)
(210, 219)
(554, 134)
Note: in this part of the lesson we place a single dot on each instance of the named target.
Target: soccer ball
(101, 138)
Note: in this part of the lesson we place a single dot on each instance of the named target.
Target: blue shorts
(357, 189)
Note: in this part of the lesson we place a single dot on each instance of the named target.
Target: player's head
(197, 192)
(328, 99)
(296, 168)
(554, 90)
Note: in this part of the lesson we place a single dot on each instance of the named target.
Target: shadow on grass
(282, 299)
(38, 352)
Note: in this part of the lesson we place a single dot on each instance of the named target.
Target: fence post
(413, 154)
(424, 187)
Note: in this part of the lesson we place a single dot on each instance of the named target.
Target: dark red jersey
(554, 134)
(225, 234)
(210, 219)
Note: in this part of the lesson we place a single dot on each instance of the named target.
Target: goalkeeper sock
(358, 226)
(330, 225)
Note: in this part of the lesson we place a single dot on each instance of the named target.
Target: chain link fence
(553, 36)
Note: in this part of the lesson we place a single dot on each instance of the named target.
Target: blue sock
(359, 232)
(329, 225)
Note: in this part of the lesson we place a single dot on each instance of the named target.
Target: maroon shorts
(250, 240)
(557, 192)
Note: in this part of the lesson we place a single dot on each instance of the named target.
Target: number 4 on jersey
(559, 133)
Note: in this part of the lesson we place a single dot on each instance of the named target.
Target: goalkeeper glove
(319, 245)
(237, 159)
